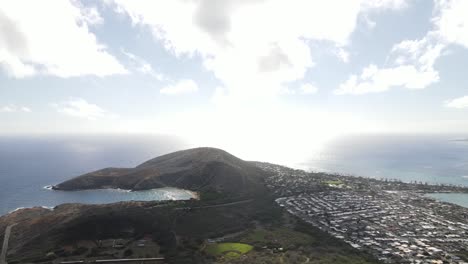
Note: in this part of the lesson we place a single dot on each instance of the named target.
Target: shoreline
(449, 197)
(165, 192)
(381, 178)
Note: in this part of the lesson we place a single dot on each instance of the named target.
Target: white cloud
(308, 88)
(7, 109)
(11, 108)
(91, 15)
(374, 79)
(458, 103)
(80, 108)
(343, 55)
(391, 4)
(181, 87)
(142, 66)
(423, 52)
(412, 61)
(52, 38)
(252, 57)
(25, 109)
(370, 24)
(451, 21)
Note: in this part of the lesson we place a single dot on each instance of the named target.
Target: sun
(284, 135)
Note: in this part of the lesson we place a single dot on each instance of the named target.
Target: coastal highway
(5, 244)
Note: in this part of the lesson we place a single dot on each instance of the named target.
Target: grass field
(228, 250)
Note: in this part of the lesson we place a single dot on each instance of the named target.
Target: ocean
(29, 164)
(435, 159)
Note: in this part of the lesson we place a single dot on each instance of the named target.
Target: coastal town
(392, 220)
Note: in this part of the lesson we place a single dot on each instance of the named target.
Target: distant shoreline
(460, 199)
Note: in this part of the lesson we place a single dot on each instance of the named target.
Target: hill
(198, 169)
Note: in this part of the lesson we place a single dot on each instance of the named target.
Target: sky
(234, 73)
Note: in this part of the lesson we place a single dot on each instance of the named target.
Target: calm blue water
(456, 198)
(27, 164)
(432, 159)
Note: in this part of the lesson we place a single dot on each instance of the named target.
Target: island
(247, 212)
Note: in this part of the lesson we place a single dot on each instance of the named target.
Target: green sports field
(228, 250)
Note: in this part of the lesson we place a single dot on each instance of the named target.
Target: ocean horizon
(30, 163)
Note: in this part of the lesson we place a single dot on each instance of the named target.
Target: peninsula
(197, 169)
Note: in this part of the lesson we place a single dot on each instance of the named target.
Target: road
(5, 244)
(139, 260)
(223, 205)
(216, 205)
